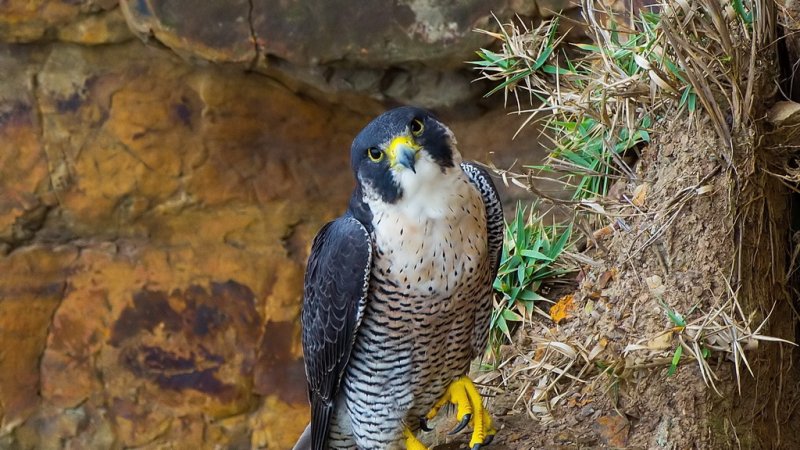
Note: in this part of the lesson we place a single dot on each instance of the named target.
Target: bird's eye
(375, 154)
(416, 127)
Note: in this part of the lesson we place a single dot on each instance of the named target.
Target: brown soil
(636, 403)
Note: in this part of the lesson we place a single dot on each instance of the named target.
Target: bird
(398, 296)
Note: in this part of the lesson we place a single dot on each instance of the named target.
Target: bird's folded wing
(494, 232)
(335, 292)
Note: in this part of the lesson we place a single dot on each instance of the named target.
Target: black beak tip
(407, 158)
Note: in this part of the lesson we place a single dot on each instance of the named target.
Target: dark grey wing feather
(495, 227)
(335, 293)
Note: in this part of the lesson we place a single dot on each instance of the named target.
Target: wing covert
(335, 292)
(495, 228)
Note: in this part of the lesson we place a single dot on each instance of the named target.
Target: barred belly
(429, 276)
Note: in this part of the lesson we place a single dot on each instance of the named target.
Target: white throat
(429, 193)
(436, 232)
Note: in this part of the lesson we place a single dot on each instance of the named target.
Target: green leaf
(676, 358)
(650, 17)
(511, 316)
(673, 315)
(493, 321)
(513, 295)
(561, 243)
(551, 69)
(738, 6)
(571, 66)
(490, 58)
(503, 326)
(508, 82)
(614, 33)
(567, 126)
(490, 55)
(529, 250)
(685, 96)
(535, 254)
(530, 295)
(675, 70)
(588, 48)
(577, 159)
(485, 61)
(542, 58)
(498, 284)
(519, 221)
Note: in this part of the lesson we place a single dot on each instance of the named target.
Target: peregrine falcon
(398, 291)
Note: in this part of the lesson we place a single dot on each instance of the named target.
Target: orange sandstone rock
(33, 20)
(32, 283)
(180, 205)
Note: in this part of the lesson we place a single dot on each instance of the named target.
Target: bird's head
(403, 152)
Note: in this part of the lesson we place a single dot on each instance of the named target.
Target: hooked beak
(403, 151)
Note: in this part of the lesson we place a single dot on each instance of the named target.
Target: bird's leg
(465, 396)
(412, 443)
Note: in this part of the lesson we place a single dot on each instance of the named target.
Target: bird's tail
(304, 442)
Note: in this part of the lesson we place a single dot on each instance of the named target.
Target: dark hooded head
(400, 151)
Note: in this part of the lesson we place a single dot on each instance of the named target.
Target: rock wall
(155, 219)
(156, 210)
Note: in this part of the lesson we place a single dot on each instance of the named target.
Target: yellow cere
(397, 143)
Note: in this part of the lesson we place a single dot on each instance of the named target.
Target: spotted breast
(430, 267)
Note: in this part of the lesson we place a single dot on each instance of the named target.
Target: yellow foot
(465, 396)
(412, 443)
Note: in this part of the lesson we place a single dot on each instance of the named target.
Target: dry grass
(698, 58)
(632, 75)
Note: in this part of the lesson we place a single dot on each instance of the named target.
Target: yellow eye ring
(417, 127)
(375, 154)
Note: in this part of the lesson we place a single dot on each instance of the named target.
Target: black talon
(488, 441)
(423, 424)
(461, 425)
